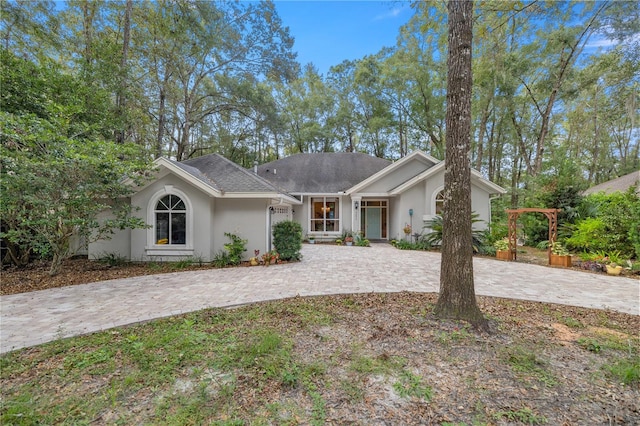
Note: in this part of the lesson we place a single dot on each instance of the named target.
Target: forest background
(128, 81)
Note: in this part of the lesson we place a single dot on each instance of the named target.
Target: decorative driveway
(30, 319)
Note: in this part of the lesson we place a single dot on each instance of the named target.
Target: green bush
(235, 248)
(434, 237)
(287, 239)
(614, 226)
(588, 235)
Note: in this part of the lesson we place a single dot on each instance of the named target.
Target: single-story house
(190, 205)
(620, 184)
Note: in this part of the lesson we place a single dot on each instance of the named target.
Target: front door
(373, 230)
(373, 219)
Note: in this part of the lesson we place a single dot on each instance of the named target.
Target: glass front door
(373, 222)
(373, 219)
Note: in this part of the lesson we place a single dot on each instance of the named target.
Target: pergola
(552, 216)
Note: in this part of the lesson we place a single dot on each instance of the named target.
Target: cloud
(393, 13)
(602, 43)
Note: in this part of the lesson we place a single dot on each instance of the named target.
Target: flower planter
(349, 243)
(614, 270)
(503, 255)
(560, 260)
(312, 241)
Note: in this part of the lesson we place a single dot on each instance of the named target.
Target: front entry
(374, 219)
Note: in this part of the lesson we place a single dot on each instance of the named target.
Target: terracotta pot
(503, 255)
(560, 260)
(614, 270)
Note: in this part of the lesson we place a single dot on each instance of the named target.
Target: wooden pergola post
(552, 217)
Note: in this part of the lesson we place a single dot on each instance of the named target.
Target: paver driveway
(32, 318)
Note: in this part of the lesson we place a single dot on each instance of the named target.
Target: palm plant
(434, 237)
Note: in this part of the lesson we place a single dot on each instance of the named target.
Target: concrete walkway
(33, 318)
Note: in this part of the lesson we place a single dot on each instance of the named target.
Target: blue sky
(328, 32)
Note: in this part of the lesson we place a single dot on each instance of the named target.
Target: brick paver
(30, 319)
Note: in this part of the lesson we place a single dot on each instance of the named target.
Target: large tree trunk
(457, 294)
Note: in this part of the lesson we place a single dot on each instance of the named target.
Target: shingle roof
(225, 175)
(326, 172)
(622, 184)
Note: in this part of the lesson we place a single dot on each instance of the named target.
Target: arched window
(170, 221)
(439, 207)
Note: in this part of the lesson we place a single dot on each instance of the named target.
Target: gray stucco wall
(118, 245)
(246, 218)
(413, 198)
(396, 177)
(199, 230)
(480, 199)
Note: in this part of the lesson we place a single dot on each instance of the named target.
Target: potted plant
(614, 269)
(312, 239)
(270, 258)
(255, 261)
(559, 255)
(348, 240)
(502, 249)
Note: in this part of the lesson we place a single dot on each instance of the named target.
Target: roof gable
(476, 178)
(426, 162)
(327, 172)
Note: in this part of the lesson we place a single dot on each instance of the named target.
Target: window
(439, 203)
(325, 214)
(170, 221)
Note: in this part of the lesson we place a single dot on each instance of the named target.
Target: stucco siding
(246, 218)
(198, 241)
(411, 199)
(480, 199)
(118, 245)
(395, 177)
(481, 204)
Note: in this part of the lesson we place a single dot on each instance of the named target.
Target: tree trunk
(457, 294)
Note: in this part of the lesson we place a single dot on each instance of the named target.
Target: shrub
(113, 259)
(221, 259)
(434, 238)
(287, 239)
(235, 248)
(502, 245)
(614, 226)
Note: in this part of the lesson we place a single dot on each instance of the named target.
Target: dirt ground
(367, 359)
(541, 364)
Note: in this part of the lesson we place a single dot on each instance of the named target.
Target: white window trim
(310, 211)
(435, 193)
(153, 249)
